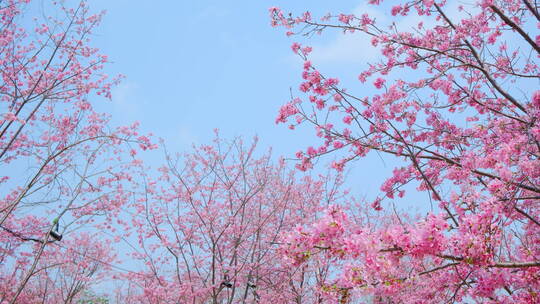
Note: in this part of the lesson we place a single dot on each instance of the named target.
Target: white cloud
(185, 136)
(346, 48)
(123, 98)
(350, 47)
(356, 47)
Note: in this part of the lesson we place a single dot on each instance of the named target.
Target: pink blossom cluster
(455, 99)
(64, 168)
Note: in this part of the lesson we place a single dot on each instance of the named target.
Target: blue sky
(193, 66)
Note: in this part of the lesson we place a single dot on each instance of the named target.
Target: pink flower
(9, 116)
(536, 99)
(311, 151)
(337, 144)
(396, 9)
(295, 47)
(306, 50)
(379, 82)
(345, 18)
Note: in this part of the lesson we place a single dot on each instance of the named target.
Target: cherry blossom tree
(63, 167)
(65, 273)
(209, 228)
(455, 99)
